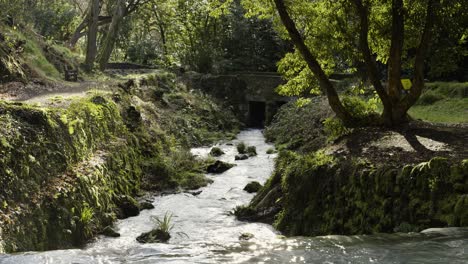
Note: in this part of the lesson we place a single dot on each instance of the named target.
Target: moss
(324, 195)
(252, 151)
(67, 167)
(216, 152)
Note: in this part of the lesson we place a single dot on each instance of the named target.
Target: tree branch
(366, 52)
(421, 53)
(313, 64)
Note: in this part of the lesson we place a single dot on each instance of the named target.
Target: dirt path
(38, 91)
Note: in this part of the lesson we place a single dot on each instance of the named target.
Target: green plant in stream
(252, 151)
(164, 225)
(241, 147)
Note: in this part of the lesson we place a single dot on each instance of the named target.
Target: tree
(91, 48)
(333, 35)
(111, 36)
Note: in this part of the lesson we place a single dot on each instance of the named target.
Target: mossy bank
(66, 169)
(318, 194)
(367, 180)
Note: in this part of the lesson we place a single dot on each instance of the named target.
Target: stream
(205, 231)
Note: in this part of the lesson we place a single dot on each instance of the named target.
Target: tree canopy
(361, 35)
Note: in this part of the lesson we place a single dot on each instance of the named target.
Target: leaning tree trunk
(314, 65)
(109, 42)
(91, 48)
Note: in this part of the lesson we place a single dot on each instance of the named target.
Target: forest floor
(411, 143)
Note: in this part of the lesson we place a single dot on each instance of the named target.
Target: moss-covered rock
(253, 187)
(219, 167)
(154, 236)
(216, 152)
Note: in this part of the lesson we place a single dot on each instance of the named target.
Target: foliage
(343, 37)
(299, 128)
(165, 224)
(335, 129)
(241, 147)
(321, 195)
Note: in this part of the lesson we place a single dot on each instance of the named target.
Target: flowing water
(205, 231)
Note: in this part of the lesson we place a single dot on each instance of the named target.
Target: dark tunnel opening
(257, 114)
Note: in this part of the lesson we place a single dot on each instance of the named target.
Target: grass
(450, 110)
(37, 61)
(165, 225)
(441, 102)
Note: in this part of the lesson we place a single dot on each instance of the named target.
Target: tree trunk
(91, 48)
(109, 41)
(396, 51)
(313, 64)
(370, 62)
(404, 103)
(78, 32)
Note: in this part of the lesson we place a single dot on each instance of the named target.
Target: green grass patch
(451, 110)
(36, 60)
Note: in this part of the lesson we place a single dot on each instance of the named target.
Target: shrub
(241, 148)
(334, 128)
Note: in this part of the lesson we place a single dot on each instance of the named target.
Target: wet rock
(253, 187)
(154, 236)
(98, 100)
(216, 152)
(128, 207)
(145, 205)
(241, 157)
(195, 193)
(271, 151)
(110, 232)
(246, 236)
(219, 167)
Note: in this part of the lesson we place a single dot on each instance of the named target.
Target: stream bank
(205, 231)
(68, 168)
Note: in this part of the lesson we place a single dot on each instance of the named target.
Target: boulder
(216, 152)
(241, 157)
(154, 236)
(128, 207)
(110, 232)
(145, 205)
(219, 167)
(246, 236)
(253, 187)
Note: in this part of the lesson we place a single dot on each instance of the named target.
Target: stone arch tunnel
(252, 94)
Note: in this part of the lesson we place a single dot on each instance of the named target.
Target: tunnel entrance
(257, 114)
